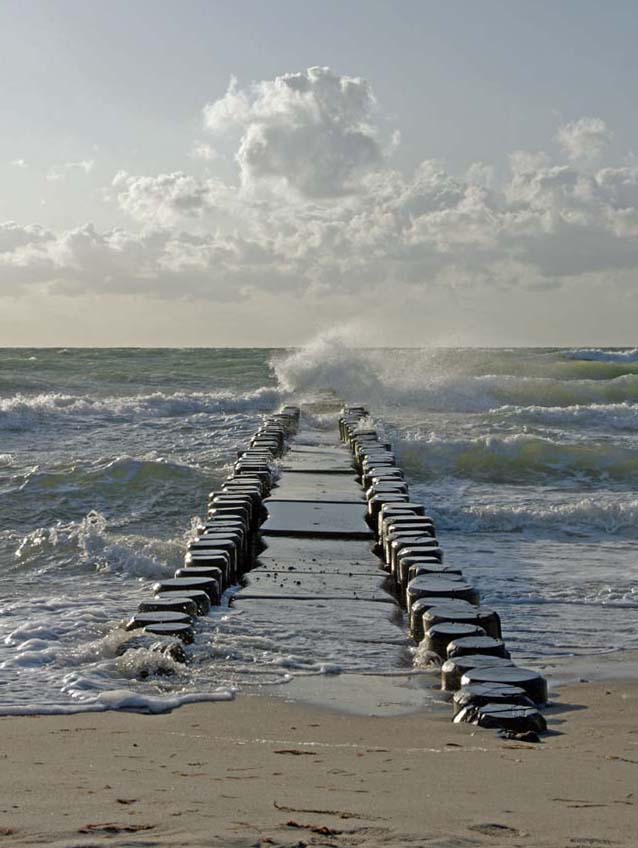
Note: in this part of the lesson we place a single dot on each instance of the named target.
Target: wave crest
(582, 516)
(25, 412)
(602, 354)
(439, 380)
(615, 416)
(87, 543)
(519, 458)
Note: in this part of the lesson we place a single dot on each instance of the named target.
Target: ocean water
(527, 459)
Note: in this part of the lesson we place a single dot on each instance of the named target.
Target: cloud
(316, 209)
(84, 166)
(314, 132)
(202, 150)
(14, 236)
(167, 198)
(18, 163)
(585, 139)
(162, 263)
(203, 239)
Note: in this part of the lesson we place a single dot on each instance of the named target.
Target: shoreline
(392, 694)
(267, 771)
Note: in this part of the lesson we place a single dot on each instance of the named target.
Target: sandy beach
(261, 771)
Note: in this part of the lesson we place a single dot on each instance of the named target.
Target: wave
(121, 700)
(615, 416)
(88, 543)
(436, 381)
(25, 412)
(581, 516)
(518, 458)
(598, 354)
(479, 394)
(329, 363)
(124, 476)
(153, 493)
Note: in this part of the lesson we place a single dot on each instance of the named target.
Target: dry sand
(259, 771)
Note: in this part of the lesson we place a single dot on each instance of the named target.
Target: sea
(526, 458)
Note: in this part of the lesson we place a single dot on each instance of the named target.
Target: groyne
(322, 518)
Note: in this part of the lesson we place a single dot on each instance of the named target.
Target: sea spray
(329, 362)
(440, 380)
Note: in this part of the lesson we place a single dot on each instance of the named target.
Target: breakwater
(327, 522)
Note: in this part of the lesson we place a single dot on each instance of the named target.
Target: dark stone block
(142, 619)
(452, 671)
(476, 645)
(514, 719)
(186, 584)
(531, 681)
(440, 587)
(199, 597)
(442, 611)
(439, 637)
(418, 608)
(169, 603)
(479, 694)
(204, 571)
(184, 632)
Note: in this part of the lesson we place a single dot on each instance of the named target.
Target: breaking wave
(615, 416)
(597, 354)
(136, 474)
(519, 458)
(26, 412)
(478, 394)
(580, 516)
(88, 543)
(437, 382)
(330, 363)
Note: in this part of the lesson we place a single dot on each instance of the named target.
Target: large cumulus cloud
(312, 131)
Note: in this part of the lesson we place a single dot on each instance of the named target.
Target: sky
(204, 173)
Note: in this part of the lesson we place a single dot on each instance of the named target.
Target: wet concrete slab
(312, 437)
(284, 553)
(317, 582)
(302, 486)
(336, 585)
(318, 460)
(317, 445)
(344, 622)
(315, 518)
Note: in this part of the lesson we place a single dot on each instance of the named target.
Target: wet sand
(261, 771)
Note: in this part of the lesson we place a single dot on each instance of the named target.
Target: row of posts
(224, 547)
(454, 632)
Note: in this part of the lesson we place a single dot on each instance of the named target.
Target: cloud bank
(317, 206)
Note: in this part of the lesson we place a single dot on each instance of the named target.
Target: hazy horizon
(303, 346)
(206, 175)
